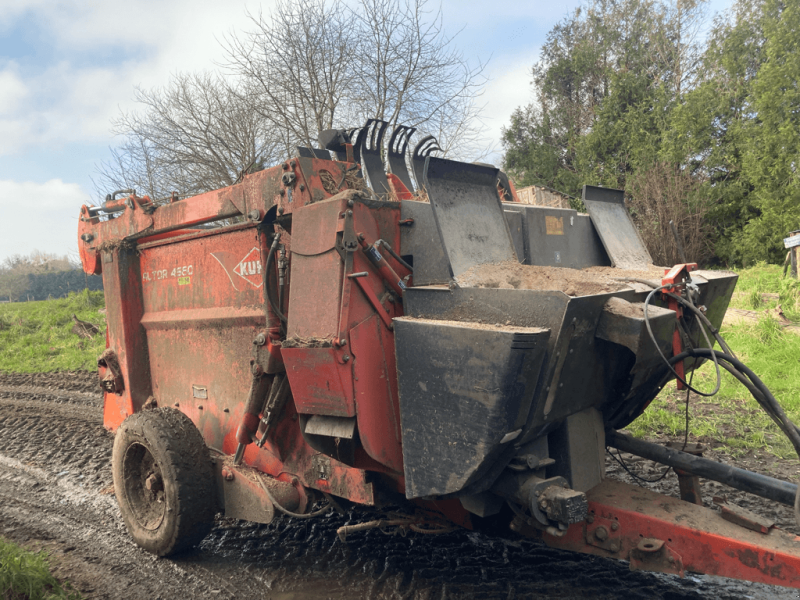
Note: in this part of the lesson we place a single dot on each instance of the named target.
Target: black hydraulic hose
(666, 360)
(770, 404)
(714, 331)
(270, 260)
(696, 311)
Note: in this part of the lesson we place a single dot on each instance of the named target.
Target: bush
(662, 193)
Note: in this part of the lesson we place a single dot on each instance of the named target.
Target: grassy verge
(37, 336)
(733, 417)
(26, 575)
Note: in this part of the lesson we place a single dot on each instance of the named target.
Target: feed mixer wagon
(301, 339)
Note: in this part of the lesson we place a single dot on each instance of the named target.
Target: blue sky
(67, 68)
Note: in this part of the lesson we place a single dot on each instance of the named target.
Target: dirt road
(56, 493)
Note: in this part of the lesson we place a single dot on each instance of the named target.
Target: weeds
(27, 575)
(754, 299)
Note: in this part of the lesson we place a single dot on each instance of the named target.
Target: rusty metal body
(313, 361)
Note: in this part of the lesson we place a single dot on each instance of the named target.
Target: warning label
(554, 225)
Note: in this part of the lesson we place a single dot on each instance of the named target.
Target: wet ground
(56, 493)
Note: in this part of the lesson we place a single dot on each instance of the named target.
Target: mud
(476, 325)
(56, 494)
(573, 282)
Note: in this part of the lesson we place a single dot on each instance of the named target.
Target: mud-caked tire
(163, 480)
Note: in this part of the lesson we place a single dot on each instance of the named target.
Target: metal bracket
(109, 373)
(349, 245)
(654, 555)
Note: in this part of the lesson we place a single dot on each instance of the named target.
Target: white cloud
(39, 216)
(12, 90)
(508, 89)
(75, 99)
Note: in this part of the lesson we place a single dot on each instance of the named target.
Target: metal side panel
(465, 394)
(421, 241)
(516, 226)
(468, 213)
(620, 238)
(560, 237)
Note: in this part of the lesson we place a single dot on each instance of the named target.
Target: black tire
(164, 481)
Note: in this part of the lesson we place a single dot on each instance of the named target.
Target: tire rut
(56, 490)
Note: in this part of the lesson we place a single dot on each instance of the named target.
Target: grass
(26, 575)
(37, 337)
(733, 417)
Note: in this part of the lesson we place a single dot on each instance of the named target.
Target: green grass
(26, 575)
(733, 417)
(767, 279)
(37, 337)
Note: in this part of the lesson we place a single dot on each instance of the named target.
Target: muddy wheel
(163, 480)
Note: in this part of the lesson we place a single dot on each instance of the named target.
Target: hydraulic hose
(730, 363)
(666, 360)
(766, 400)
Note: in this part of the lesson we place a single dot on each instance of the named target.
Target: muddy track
(56, 493)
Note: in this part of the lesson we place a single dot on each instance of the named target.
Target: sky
(68, 67)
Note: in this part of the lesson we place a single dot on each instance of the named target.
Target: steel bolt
(614, 526)
(349, 213)
(350, 203)
(601, 533)
(254, 215)
(87, 237)
(293, 164)
(284, 166)
(260, 340)
(281, 210)
(227, 474)
(346, 358)
(590, 519)
(302, 187)
(295, 481)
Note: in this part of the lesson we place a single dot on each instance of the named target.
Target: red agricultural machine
(300, 339)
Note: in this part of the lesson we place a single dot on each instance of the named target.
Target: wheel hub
(144, 486)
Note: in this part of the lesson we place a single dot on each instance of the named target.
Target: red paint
(704, 541)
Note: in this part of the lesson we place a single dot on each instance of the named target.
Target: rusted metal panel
(125, 335)
(321, 383)
(702, 540)
(376, 393)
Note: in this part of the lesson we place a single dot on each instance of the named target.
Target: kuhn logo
(248, 268)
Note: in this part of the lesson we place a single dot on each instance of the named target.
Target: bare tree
(298, 65)
(318, 64)
(410, 72)
(194, 135)
(307, 66)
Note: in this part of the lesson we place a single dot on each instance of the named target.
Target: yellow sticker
(184, 280)
(554, 225)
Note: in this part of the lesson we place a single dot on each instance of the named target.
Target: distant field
(37, 337)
